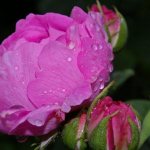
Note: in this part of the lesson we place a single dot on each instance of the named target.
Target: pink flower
(120, 123)
(49, 64)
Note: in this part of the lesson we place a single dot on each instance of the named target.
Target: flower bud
(74, 133)
(113, 125)
(115, 24)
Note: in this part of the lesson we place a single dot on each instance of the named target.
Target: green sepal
(135, 135)
(98, 138)
(69, 133)
(69, 136)
(82, 145)
(121, 37)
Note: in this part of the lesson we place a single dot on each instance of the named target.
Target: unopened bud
(74, 133)
(113, 125)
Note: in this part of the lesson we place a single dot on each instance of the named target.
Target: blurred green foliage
(135, 55)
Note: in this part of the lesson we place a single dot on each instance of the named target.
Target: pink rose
(49, 64)
(113, 125)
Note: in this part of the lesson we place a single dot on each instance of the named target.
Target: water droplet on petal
(45, 92)
(23, 82)
(95, 47)
(16, 68)
(73, 27)
(69, 59)
(63, 90)
(71, 45)
(111, 57)
(38, 123)
(50, 91)
(101, 86)
(110, 67)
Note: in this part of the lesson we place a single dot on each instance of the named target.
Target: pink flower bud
(113, 125)
(115, 25)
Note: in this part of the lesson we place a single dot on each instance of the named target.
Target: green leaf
(141, 106)
(145, 133)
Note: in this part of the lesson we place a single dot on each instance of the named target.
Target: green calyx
(98, 138)
(69, 136)
(135, 135)
(119, 40)
(69, 133)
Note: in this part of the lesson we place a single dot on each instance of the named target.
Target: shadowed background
(135, 55)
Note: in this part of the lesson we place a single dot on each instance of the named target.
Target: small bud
(113, 125)
(115, 25)
(74, 133)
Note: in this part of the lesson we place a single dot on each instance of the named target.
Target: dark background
(135, 55)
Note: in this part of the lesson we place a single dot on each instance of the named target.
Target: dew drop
(71, 45)
(101, 86)
(73, 28)
(16, 68)
(56, 103)
(38, 123)
(69, 59)
(95, 47)
(50, 91)
(110, 67)
(45, 92)
(111, 57)
(63, 90)
(105, 107)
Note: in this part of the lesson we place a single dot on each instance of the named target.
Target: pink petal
(59, 80)
(94, 59)
(99, 112)
(78, 14)
(36, 27)
(18, 121)
(17, 69)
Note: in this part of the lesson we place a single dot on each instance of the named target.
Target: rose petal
(59, 80)
(17, 68)
(18, 121)
(78, 14)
